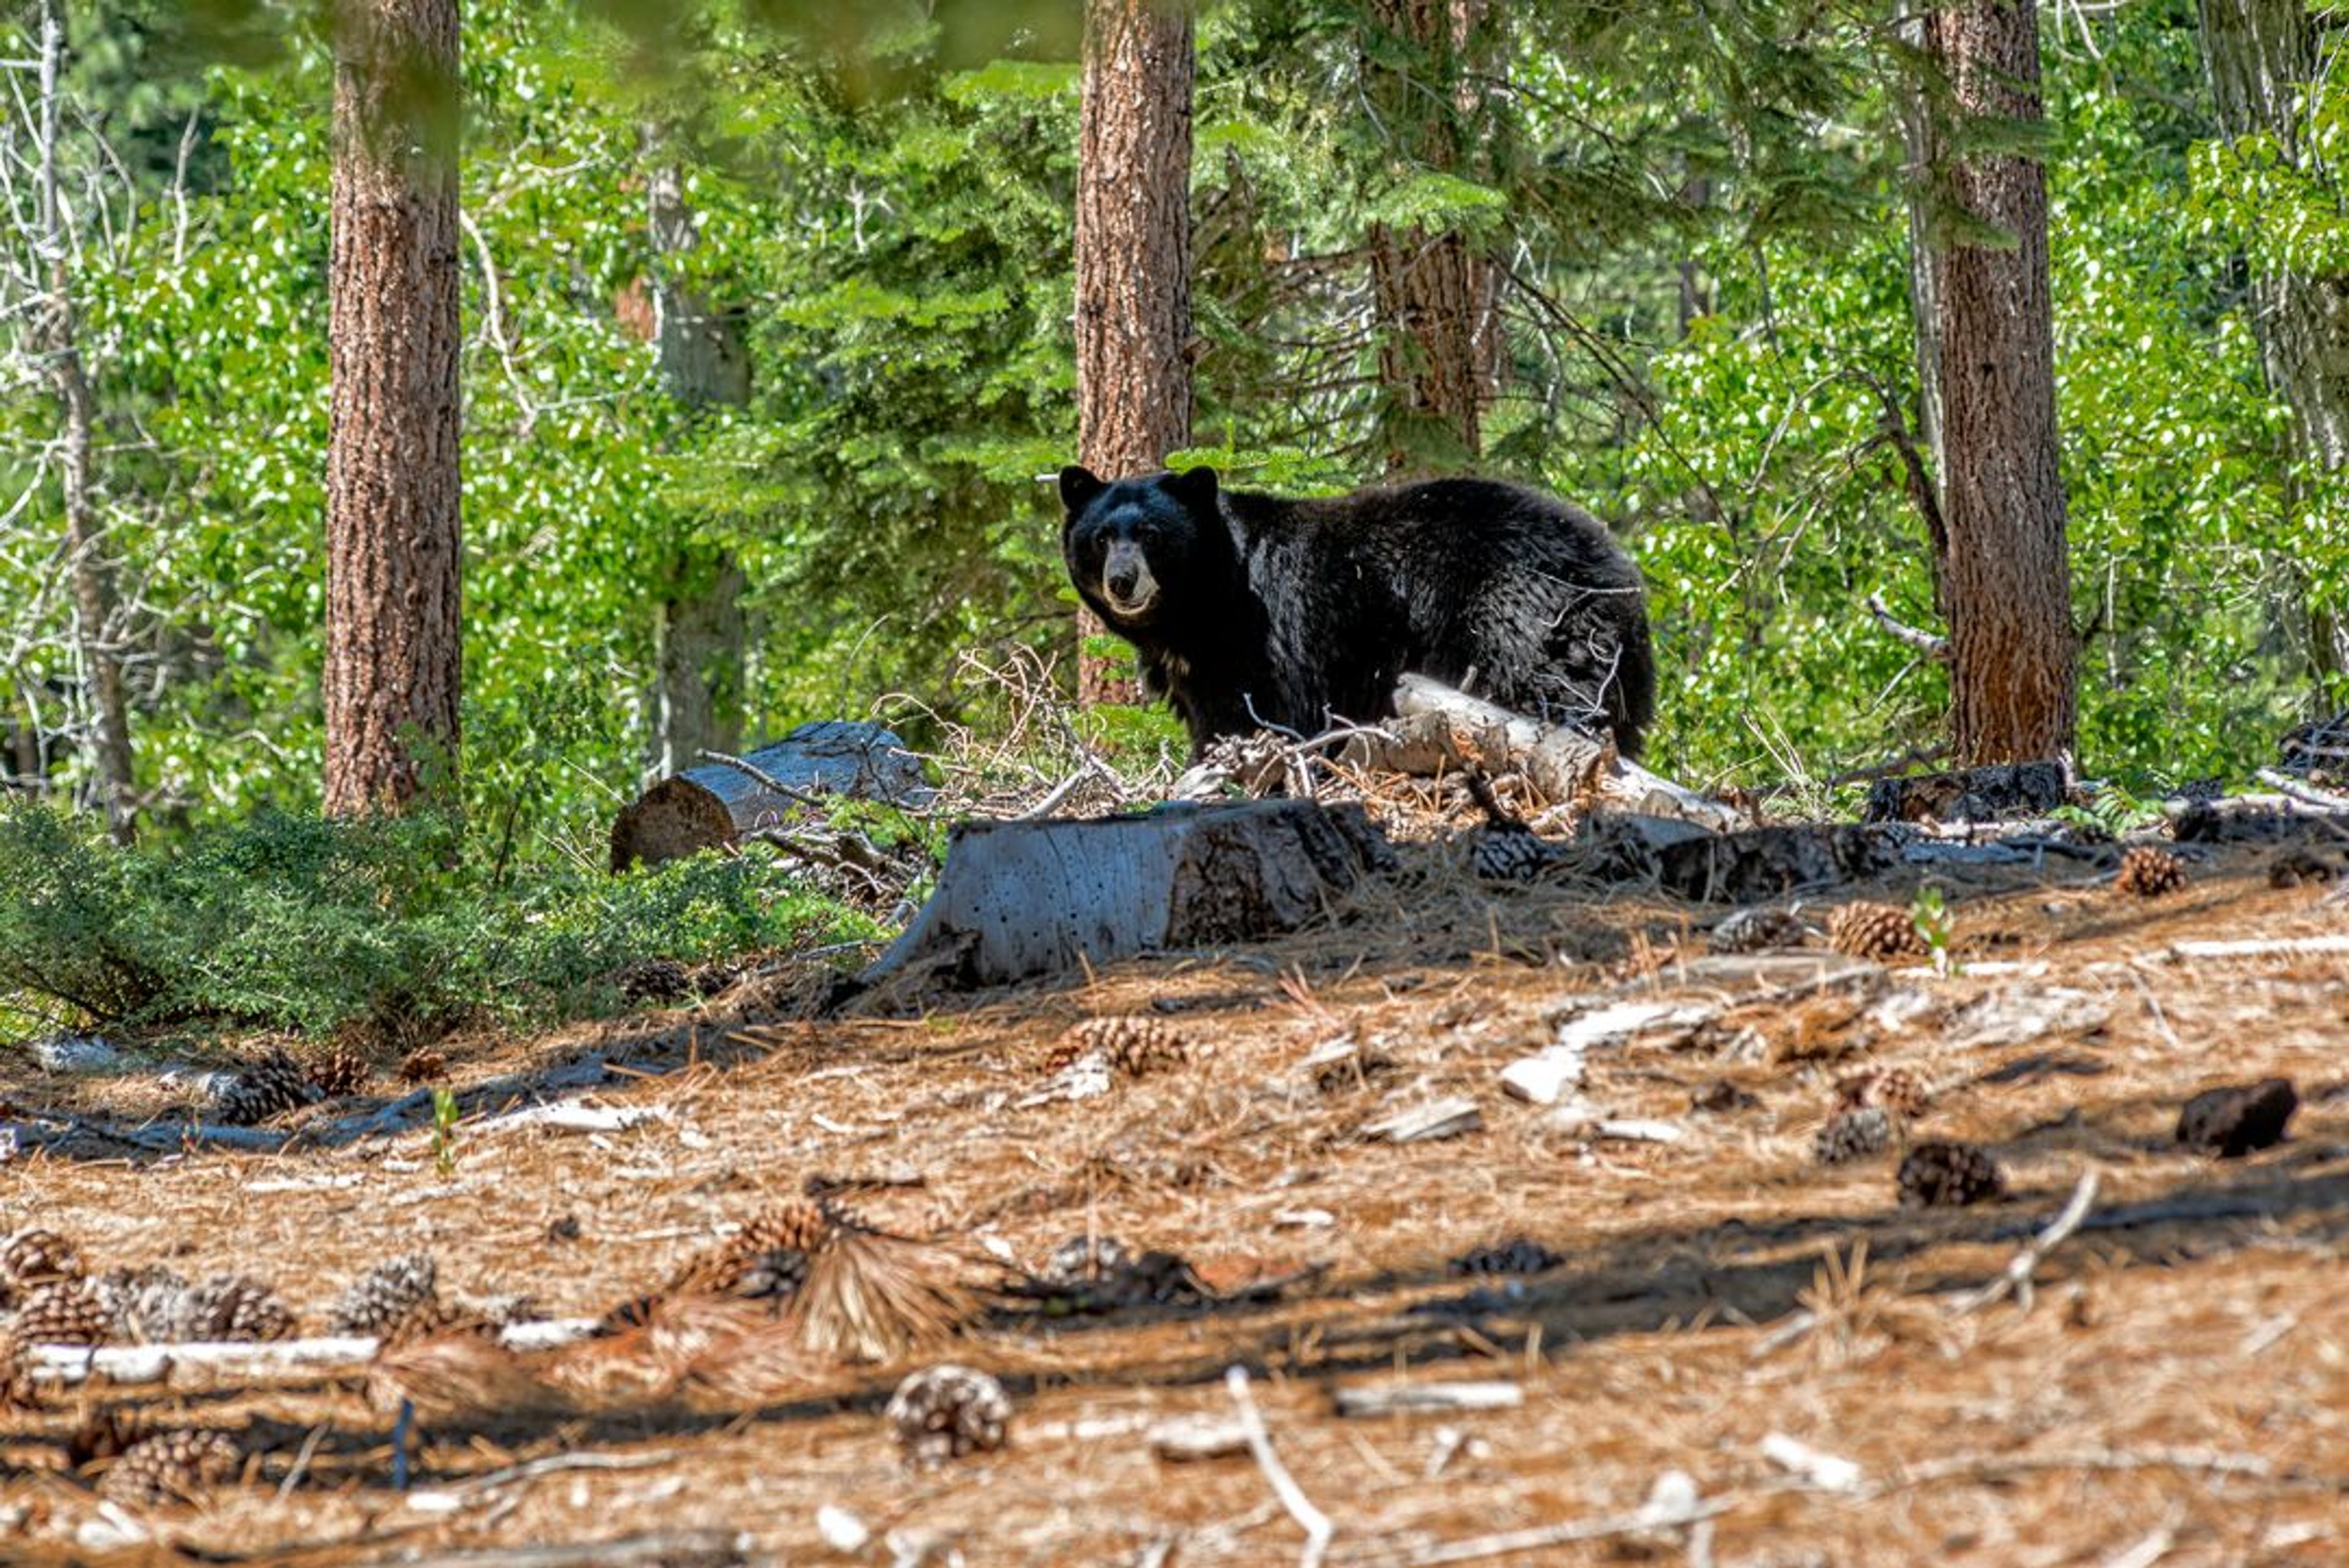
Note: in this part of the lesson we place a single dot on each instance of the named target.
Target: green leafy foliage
(444, 1130)
(1775, 501)
(313, 924)
(1705, 334)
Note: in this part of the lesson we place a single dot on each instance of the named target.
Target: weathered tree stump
(1024, 898)
(716, 804)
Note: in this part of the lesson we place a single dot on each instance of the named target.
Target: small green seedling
(444, 1129)
(1930, 912)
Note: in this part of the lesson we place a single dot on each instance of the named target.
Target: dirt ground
(1731, 1322)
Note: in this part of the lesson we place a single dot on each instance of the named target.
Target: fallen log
(1437, 728)
(1022, 898)
(1969, 794)
(724, 800)
(278, 1360)
(669, 1549)
(1764, 863)
(2255, 819)
(1751, 866)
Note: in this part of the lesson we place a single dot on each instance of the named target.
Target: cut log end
(674, 818)
(717, 805)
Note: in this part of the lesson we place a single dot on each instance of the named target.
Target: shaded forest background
(1699, 220)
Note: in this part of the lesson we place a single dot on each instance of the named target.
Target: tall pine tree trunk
(2261, 56)
(1434, 293)
(1133, 253)
(393, 637)
(2014, 656)
(700, 634)
(91, 571)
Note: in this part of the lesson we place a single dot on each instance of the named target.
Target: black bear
(1250, 610)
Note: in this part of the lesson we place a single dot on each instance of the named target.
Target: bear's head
(1138, 545)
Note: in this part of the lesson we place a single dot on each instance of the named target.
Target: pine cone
(2148, 873)
(144, 1302)
(434, 1319)
(944, 1412)
(1135, 1044)
(1522, 1256)
(423, 1065)
(172, 1467)
(267, 1087)
(1853, 1135)
(231, 1306)
(1085, 1260)
(2291, 868)
(1758, 930)
(338, 1073)
(34, 1256)
(2230, 1122)
(1142, 1279)
(1948, 1175)
(385, 1294)
(1897, 1090)
(1723, 1096)
(652, 982)
(767, 1259)
(16, 1390)
(1876, 931)
(63, 1312)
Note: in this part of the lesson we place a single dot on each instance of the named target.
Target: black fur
(1297, 613)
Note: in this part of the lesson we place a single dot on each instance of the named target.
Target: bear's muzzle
(1127, 584)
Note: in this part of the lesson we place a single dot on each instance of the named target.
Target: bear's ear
(1078, 488)
(1195, 488)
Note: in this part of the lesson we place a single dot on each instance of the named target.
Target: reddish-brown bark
(2013, 668)
(393, 645)
(1133, 254)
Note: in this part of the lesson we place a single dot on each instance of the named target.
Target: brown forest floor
(2177, 1393)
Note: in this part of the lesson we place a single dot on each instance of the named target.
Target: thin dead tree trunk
(700, 636)
(2014, 657)
(1133, 255)
(2261, 58)
(394, 648)
(93, 575)
(1921, 145)
(1436, 294)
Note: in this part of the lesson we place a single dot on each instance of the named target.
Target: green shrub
(66, 932)
(314, 924)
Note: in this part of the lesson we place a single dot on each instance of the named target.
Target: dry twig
(2304, 791)
(2017, 1279)
(1933, 647)
(1311, 1520)
(1513, 1543)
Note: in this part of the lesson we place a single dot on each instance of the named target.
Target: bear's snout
(1126, 580)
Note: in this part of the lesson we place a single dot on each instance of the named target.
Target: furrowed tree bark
(1133, 255)
(1435, 295)
(2005, 579)
(394, 649)
(2260, 56)
(700, 636)
(94, 607)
